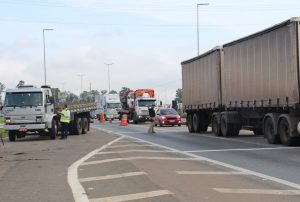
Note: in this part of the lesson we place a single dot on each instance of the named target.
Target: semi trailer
(30, 110)
(109, 104)
(251, 83)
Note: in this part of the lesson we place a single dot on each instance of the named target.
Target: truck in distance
(32, 110)
(136, 104)
(109, 104)
(251, 83)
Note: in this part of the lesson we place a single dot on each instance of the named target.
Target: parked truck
(251, 83)
(33, 110)
(136, 104)
(109, 104)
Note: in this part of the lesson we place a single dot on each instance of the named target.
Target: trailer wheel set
(251, 83)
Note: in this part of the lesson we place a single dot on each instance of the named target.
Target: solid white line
(131, 145)
(258, 191)
(249, 172)
(208, 173)
(130, 197)
(138, 158)
(109, 177)
(78, 191)
(130, 141)
(136, 150)
(249, 149)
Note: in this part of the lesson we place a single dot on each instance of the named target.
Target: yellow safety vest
(63, 117)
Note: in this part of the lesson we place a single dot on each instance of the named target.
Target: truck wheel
(53, 130)
(284, 131)
(196, 123)
(203, 122)
(190, 123)
(78, 126)
(216, 127)
(84, 125)
(134, 120)
(269, 128)
(229, 129)
(12, 136)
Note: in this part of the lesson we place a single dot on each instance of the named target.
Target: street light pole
(45, 53)
(81, 76)
(202, 4)
(108, 65)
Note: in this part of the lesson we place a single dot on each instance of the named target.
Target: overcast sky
(146, 40)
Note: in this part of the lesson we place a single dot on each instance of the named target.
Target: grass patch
(3, 133)
(1, 120)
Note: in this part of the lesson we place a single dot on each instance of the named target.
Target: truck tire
(196, 123)
(190, 123)
(269, 128)
(53, 130)
(78, 126)
(285, 132)
(85, 125)
(229, 129)
(134, 119)
(216, 127)
(203, 122)
(12, 136)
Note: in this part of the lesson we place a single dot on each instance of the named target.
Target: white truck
(109, 104)
(136, 104)
(33, 110)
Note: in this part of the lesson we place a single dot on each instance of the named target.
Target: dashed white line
(109, 177)
(78, 191)
(138, 158)
(130, 197)
(209, 173)
(248, 149)
(258, 191)
(135, 150)
(131, 145)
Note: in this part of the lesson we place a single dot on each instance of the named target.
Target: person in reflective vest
(64, 121)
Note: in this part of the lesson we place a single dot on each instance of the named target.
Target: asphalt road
(114, 163)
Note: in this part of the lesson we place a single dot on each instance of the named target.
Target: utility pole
(201, 4)
(45, 73)
(81, 77)
(108, 73)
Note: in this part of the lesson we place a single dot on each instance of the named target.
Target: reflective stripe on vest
(64, 118)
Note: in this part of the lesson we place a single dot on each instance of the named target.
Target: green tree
(21, 83)
(178, 97)
(123, 91)
(103, 92)
(113, 92)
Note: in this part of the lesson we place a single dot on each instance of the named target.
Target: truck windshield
(146, 103)
(113, 105)
(20, 99)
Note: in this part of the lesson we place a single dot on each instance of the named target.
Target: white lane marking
(209, 173)
(249, 172)
(130, 197)
(138, 158)
(248, 149)
(258, 191)
(130, 141)
(78, 191)
(131, 145)
(109, 177)
(136, 150)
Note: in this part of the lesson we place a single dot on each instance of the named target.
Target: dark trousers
(64, 130)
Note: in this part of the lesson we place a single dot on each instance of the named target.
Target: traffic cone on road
(102, 119)
(124, 120)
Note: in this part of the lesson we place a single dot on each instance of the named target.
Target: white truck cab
(110, 105)
(28, 109)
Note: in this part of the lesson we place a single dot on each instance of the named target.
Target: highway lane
(246, 151)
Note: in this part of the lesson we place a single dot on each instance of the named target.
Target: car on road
(167, 116)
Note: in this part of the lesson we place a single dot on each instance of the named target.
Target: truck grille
(145, 112)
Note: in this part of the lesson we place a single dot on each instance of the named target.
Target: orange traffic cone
(124, 120)
(102, 120)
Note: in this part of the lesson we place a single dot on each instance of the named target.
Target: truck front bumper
(29, 127)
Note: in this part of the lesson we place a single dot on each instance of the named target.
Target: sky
(144, 40)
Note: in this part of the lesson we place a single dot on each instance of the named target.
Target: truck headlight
(7, 120)
(39, 119)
